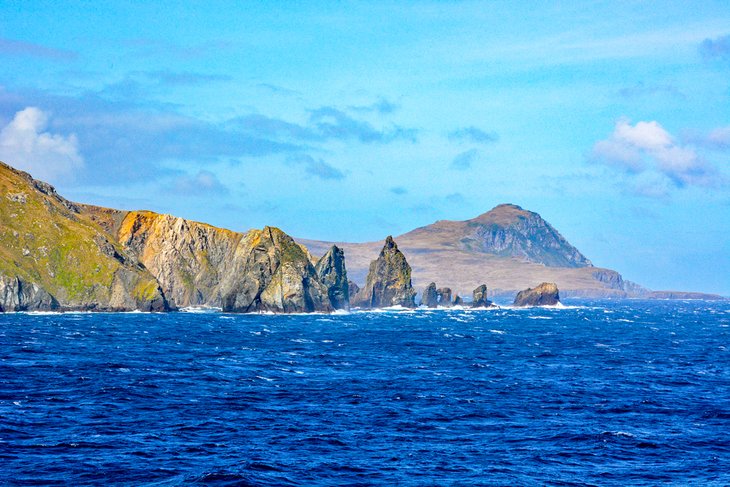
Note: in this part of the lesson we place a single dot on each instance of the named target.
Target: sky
(350, 121)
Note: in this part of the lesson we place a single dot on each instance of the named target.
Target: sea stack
(332, 272)
(388, 282)
(479, 298)
(430, 297)
(546, 294)
(444, 296)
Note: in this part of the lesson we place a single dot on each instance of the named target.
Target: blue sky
(354, 120)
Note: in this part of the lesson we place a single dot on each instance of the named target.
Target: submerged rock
(388, 281)
(546, 294)
(332, 272)
(444, 296)
(430, 298)
(479, 298)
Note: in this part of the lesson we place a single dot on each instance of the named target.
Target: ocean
(596, 393)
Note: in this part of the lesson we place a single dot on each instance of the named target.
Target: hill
(508, 248)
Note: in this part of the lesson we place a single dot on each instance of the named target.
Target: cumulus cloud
(473, 134)
(648, 147)
(25, 144)
(464, 160)
(203, 183)
(316, 167)
(714, 49)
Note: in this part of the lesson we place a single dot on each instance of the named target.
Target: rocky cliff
(388, 282)
(479, 297)
(52, 256)
(55, 254)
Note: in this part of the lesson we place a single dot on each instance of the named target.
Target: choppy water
(608, 393)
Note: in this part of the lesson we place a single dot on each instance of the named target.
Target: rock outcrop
(388, 281)
(546, 294)
(332, 272)
(444, 296)
(457, 301)
(479, 298)
(430, 298)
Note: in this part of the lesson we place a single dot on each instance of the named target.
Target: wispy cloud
(646, 147)
(717, 48)
(25, 144)
(641, 89)
(316, 167)
(280, 90)
(464, 160)
(10, 47)
(399, 190)
(157, 48)
(382, 106)
(473, 134)
(332, 123)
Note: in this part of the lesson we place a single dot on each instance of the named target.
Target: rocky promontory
(546, 294)
(60, 255)
(388, 281)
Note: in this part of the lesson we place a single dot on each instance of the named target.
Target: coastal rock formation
(201, 265)
(52, 256)
(430, 298)
(332, 272)
(19, 295)
(458, 301)
(56, 254)
(444, 296)
(546, 294)
(479, 298)
(388, 281)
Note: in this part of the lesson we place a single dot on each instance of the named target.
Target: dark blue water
(608, 393)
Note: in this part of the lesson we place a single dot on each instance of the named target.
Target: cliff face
(388, 282)
(52, 256)
(55, 254)
(198, 264)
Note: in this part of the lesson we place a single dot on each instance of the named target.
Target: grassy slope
(43, 241)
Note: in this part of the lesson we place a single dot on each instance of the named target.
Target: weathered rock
(458, 301)
(388, 281)
(332, 272)
(479, 298)
(444, 297)
(546, 294)
(430, 298)
(352, 288)
(18, 295)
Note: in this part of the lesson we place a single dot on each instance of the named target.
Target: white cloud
(648, 147)
(26, 145)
